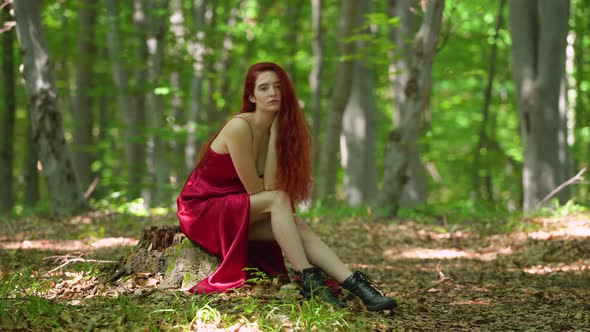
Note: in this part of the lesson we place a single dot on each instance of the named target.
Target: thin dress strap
(248, 122)
(252, 132)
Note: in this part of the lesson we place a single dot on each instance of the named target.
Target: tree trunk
(225, 62)
(31, 172)
(315, 82)
(46, 118)
(326, 187)
(177, 54)
(157, 11)
(581, 64)
(8, 117)
(416, 98)
(358, 148)
(484, 136)
(83, 117)
(127, 103)
(139, 117)
(293, 13)
(196, 50)
(414, 191)
(539, 30)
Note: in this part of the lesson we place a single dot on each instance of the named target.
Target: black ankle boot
(313, 285)
(360, 285)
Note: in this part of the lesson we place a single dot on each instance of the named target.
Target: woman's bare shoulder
(234, 130)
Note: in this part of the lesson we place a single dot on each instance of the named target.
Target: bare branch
(72, 258)
(578, 178)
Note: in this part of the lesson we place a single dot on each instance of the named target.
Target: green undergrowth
(24, 308)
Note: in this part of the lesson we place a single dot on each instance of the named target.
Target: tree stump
(168, 252)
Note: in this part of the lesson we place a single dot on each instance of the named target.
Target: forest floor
(445, 276)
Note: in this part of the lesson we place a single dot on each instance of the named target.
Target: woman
(238, 202)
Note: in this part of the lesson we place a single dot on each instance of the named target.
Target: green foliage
(239, 33)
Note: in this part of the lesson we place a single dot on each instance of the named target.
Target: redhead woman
(239, 201)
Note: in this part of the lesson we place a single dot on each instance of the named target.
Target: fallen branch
(441, 278)
(578, 178)
(71, 258)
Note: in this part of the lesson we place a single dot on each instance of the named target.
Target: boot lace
(369, 285)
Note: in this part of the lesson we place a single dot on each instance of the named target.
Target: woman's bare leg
(284, 229)
(316, 251)
(320, 254)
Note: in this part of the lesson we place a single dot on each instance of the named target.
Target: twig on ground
(441, 278)
(72, 258)
(578, 178)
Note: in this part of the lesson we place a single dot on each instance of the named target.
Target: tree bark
(83, 113)
(358, 142)
(46, 118)
(416, 98)
(539, 30)
(326, 182)
(582, 102)
(315, 80)
(484, 136)
(414, 191)
(128, 105)
(196, 50)
(139, 116)
(31, 172)
(293, 13)
(8, 117)
(177, 55)
(157, 13)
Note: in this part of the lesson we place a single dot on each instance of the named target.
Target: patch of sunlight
(135, 207)
(69, 245)
(570, 228)
(547, 269)
(209, 319)
(448, 253)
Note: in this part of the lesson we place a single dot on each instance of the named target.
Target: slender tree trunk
(293, 13)
(581, 64)
(196, 50)
(139, 117)
(8, 117)
(156, 42)
(414, 191)
(315, 82)
(226, 59)
(177, 54)
(416, 99)
(358, 138)
(83, 117)
(128, 105)
(484, 136)
(46, 118)
(539, 30)
(326, 188)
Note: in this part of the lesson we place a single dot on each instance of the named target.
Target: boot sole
(382, 306)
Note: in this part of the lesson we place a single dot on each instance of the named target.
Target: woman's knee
(281, 200)
(305, 233)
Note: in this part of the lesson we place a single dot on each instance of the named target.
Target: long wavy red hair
(294, 142)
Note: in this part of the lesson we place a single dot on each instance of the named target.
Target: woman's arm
(270, 165)
(237, 136)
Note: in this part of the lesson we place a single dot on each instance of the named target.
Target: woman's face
(267, 92)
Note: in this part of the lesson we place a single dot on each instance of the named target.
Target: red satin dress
(214, 210)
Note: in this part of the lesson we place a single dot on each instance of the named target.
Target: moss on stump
(168, 252)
